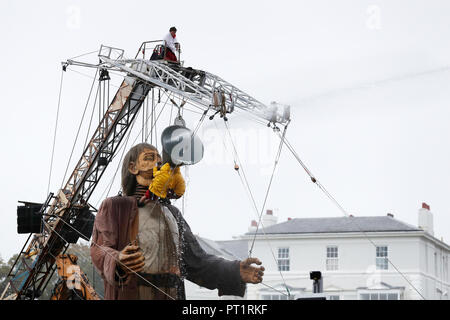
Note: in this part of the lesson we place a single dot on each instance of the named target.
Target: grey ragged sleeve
(205, 269)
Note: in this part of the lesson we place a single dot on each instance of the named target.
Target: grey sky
(369, 117)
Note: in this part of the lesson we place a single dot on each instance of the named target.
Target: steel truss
(31, 272)
(197, 86)
(35, 265)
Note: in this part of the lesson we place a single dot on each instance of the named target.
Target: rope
(325, 191)
(79, 128)
(84, 54)
(247, 187)
(202, 118)
(56, 128)
(90, 120)
(143, 118)
(154, 123)
(268, 188)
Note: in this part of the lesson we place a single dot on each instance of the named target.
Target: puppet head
(137, 167)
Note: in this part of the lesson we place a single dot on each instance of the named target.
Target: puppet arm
(208, 270)
(104, 251)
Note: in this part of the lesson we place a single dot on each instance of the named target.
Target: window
(334, 297)
(382, 258)
(436, 265)
(379, 296)
(274, 297)
(332, 258)
(283, 259)
(445, 258)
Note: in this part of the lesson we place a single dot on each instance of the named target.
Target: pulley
(219, 104)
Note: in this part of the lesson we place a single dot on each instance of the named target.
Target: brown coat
(117, 218)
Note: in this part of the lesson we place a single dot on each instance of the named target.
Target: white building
(359, 258)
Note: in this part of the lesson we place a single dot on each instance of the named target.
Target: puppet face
(143, 168)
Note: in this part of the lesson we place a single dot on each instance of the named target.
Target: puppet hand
(250, 274)
(131, 259)
(177, 183)
(160, 182)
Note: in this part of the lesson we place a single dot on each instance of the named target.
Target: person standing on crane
(172, 45)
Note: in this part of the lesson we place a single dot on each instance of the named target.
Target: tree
(5, 267)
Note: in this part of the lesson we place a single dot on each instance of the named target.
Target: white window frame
(283, 261)
(445, 258)
(381, 261)
(332, 258)
(436, 266)
(379, 294)
(273, 296)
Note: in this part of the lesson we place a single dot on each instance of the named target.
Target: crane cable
(79, 127)
(328, 194)
(92, 116)
(270, 184)
(247, 187)
(56, 128)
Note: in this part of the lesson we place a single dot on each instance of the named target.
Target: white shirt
(170, 42)
(156, 222)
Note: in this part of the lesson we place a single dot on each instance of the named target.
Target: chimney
(426, 219)
(253, 226)
(289, 219)
(390, 215)
(269, 219)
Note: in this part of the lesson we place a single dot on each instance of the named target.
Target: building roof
(338, 225)
(239, 248)
(380, 286)
(230, 250)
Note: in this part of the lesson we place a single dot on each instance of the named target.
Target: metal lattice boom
(35, 264)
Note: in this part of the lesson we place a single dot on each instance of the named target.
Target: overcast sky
(368, 83)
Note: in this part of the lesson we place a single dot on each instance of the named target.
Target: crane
(66, 216)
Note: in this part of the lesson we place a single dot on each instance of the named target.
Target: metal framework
(34, 266)
(197, 86)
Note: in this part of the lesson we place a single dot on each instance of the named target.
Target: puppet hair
(129, 179)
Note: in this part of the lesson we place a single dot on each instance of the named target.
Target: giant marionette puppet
(144, 248)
